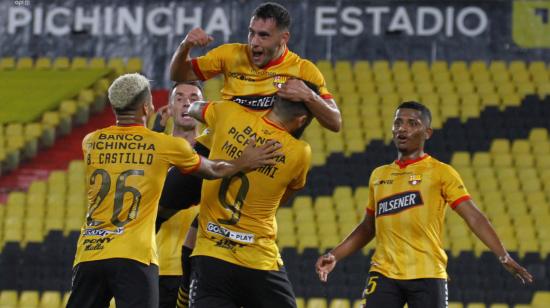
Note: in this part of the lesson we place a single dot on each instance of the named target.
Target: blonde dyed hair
(126, 88)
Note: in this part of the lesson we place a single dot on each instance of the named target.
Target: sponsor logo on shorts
(236, 236)
(102, 232)
(399, 202)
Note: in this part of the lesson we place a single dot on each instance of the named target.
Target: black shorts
(168, 291)
(381, 291)
(131, 283)
(217, 283)
(181, 191)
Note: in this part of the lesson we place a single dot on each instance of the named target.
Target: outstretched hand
(324, 265)
(254, 157)
(517, 270)
(197, 37)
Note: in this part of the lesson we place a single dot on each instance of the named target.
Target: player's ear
(429, 132)
(285, 37)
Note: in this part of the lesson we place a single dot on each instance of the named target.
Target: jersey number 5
(118, 203)
(236, 207)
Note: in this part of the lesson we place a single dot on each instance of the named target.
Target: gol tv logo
(531, 23)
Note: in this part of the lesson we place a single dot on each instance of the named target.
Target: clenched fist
(197, 37)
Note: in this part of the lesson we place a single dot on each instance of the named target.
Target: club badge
(415, 179)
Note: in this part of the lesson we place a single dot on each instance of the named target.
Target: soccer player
(255, 72)
(171, 236)
(405, 212)
(236, 262)
(126, 165)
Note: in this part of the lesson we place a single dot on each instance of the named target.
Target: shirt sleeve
(184, 157)
(210, 64)
(300, 180)
(371, 207)
(311, 73)
(453, 188)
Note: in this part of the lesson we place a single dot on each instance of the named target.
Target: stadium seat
(541, 299)
(339, 303)
(8, 299)
(29, 299)
(50, 299)
(316, 303)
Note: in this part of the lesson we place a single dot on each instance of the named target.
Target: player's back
(126, 167)
(242, 208)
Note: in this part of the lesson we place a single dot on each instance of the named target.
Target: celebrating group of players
(252, 160)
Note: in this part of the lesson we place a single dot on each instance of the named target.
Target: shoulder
(231, 47)
(444, 170)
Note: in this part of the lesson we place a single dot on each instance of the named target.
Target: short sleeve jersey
(408, 201)
(249, 85)
(237, 214)
(125, 170)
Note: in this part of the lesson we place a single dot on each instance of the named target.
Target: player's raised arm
(482, 228)
(325, 110)
(197, 110)
(253, 157)
(181, 68)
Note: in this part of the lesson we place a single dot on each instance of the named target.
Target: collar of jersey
(129, 125)
(274, 62)
(404, 163)
(266, 120)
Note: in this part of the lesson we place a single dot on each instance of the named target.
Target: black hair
(196, 83)
(136, 101)
(288, 110)
(276, 11)
(425, 113)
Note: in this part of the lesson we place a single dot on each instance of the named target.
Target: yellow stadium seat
(316, 303)
(537, 136)
(61, 63)
(500, 146)
(461, 244)
(307, 241)
(300, 302)
(134, 65)
(502, 160)
(541, 299)
(455, 305)
(43, 63)
(499, 305)
(475, 305)
(481, 159)
(7, 63)
(522, 306)
(79, 63)
(24, 63)
(97, 63)
(28, 299)
(8, 298)
(50, 299)
(339, 303)
(460, 159)
(526, 88)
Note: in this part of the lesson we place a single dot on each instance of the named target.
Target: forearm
(181, 68)
(325, 111)
(484, 231)
(356, 240)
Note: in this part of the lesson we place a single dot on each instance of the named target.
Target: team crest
(278, 81)
(415, 179)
